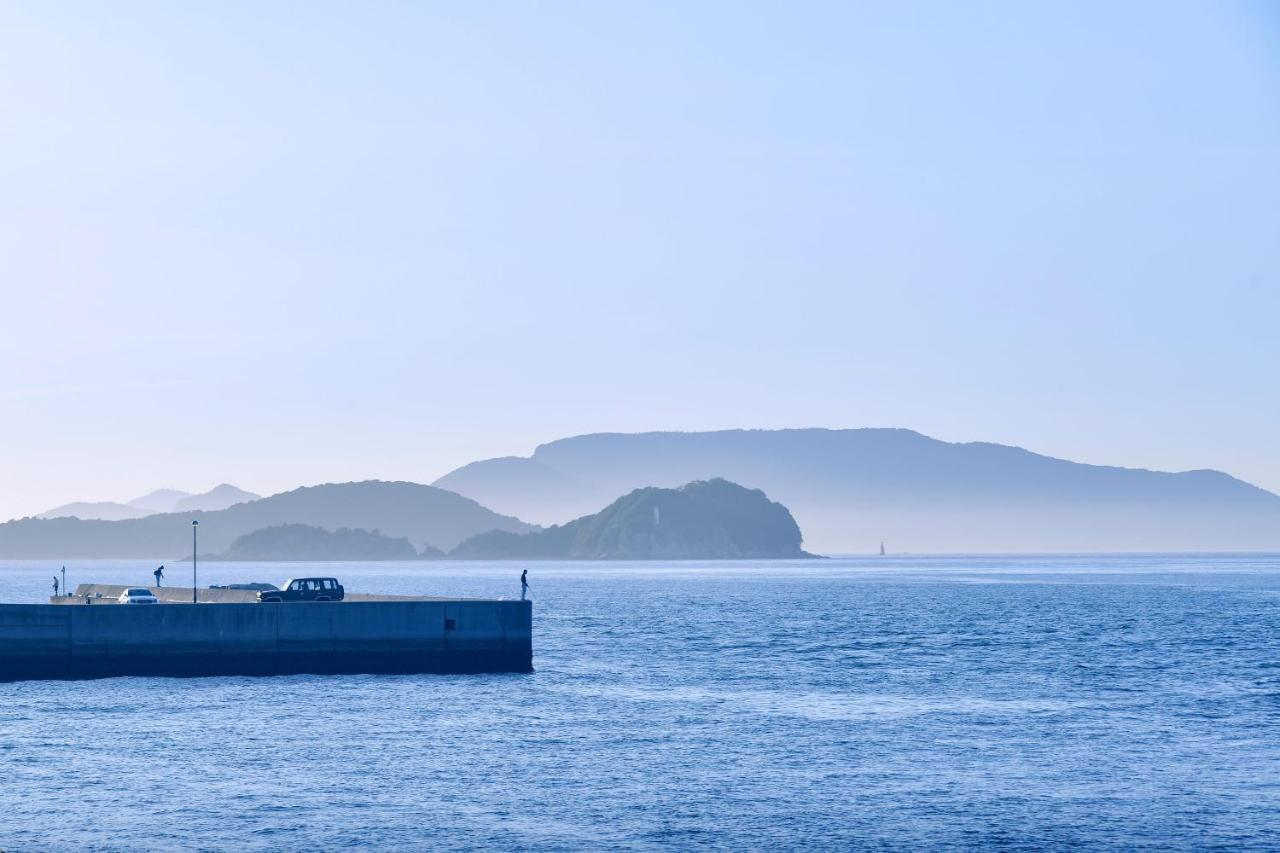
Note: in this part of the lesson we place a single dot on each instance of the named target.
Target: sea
(898, 703)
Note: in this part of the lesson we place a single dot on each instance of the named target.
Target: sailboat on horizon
(881, 547)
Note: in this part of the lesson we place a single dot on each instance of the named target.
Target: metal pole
(64, 581)
(194, 585)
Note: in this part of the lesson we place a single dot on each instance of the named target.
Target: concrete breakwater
(371, 634)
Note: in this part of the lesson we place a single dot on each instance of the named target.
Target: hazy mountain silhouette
(219, 497)
(849, 489)
(712, 519)
(105, 510)
(161, 500)
(425, 515)
(544, 494)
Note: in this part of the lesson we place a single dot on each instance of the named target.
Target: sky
(278, 244)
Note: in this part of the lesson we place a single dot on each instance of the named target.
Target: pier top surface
(103, 593)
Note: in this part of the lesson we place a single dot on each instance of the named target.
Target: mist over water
(903, 702)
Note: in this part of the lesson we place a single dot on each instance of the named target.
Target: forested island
(305, 542)
(704, 520)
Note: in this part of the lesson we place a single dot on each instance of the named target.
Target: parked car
(305, 589)
(137, 595)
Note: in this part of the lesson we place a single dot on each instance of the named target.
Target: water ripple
(1019, 703)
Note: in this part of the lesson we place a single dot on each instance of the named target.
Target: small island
(704, 520)
(305, 542)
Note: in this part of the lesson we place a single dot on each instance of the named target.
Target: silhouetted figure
(524, 584)
(55, 586)
(159, 573)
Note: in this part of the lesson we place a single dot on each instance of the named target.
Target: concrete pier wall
(46, 641)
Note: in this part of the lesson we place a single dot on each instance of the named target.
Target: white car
(137, 595)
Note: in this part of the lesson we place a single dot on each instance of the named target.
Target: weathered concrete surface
(106, 593)
(42, 641)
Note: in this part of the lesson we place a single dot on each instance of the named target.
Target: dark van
(305, 589)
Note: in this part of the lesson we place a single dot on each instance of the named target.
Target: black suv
(305, 589)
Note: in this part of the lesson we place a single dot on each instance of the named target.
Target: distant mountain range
(847, 489)
(161, 500)
(98, 510)
(425, 515)
(219, 497)
(706, 520)
(850, 489)
(703, 520)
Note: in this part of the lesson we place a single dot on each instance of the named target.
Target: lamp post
(195, 525)
(64, 581)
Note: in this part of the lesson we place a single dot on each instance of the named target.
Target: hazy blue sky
(285, 243)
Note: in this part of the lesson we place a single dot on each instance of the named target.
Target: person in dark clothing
(55, 586)
(524, 584)
(159, 573)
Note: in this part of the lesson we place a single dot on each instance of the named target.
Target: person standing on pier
(159, 573)
(524, 584)
(55, 586)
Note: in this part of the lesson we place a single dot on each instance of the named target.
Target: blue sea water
(897, 703)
